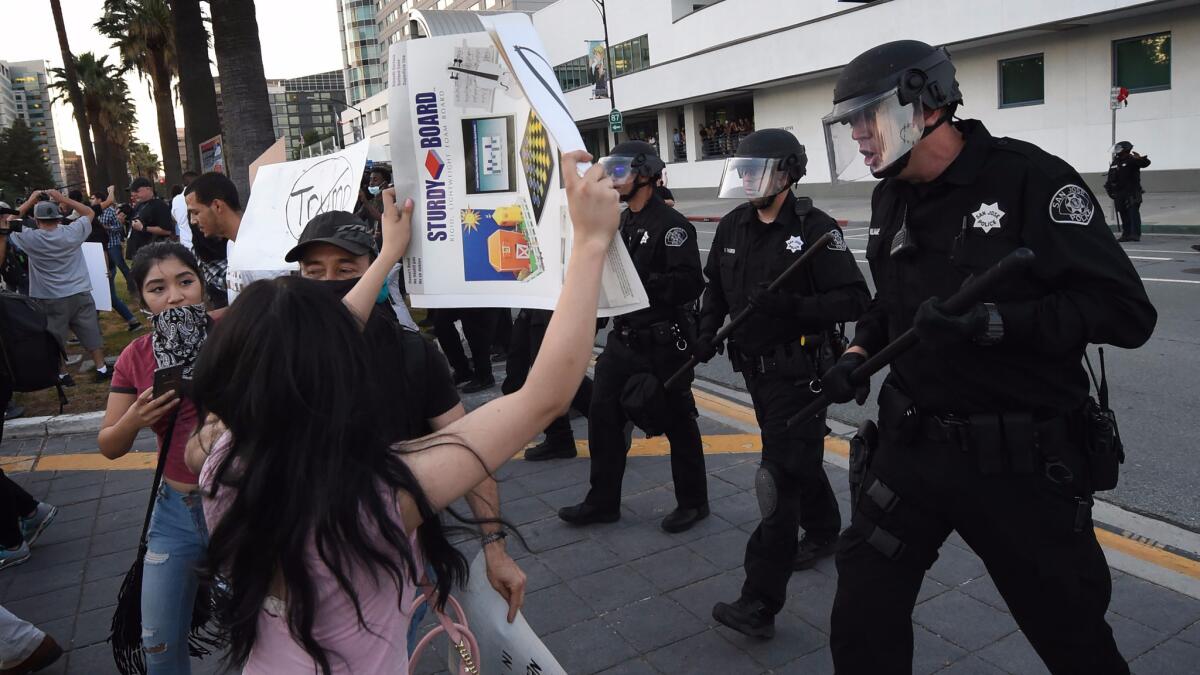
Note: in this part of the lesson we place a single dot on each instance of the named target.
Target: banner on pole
(477, 122)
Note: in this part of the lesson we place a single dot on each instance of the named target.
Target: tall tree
(110, 113)
(197, 94)
(142, 160)
(23, 167)
(144, 34)
(76, 98)
(248, 129)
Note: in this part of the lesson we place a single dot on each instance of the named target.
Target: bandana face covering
(178, 334)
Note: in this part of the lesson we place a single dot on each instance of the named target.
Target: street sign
(615, 121)
(1118, 97)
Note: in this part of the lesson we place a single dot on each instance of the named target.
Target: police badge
(1071, 205)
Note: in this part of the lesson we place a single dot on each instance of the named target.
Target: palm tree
(143, 32)
(76, 98)
(109, 112)
(143, 161)
(197, 94)
(248, 129)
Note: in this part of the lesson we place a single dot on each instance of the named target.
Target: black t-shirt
(419, 383)
(153, 213)
(208, 249)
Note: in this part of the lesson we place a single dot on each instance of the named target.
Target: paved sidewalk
(622, 598)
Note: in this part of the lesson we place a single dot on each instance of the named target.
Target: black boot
(587, 514)
(748, 617)
(478, 385)
(811, 550)
(552, 448)
(682, 519)
(463, 376)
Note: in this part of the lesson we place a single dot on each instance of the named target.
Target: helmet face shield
(618, 168)
(866, 135)
(752, 178)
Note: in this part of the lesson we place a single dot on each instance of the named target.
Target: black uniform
(979, 439)
(662, 244)
(1124, 186)
(779, 359)
(528, 332)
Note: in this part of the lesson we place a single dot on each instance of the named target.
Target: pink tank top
(380, 647)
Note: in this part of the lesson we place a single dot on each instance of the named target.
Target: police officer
(1124, 186)
(984, 426)
(778, 351)
(646, 347)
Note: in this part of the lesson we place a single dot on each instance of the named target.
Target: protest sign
(212, 157)
(477, 121)
(286, 196)
(503, 647)
(97, 267)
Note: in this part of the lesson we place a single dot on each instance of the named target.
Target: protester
(169, 283)
(213, 202)
(337, 248)
(58, 276)
(152, 222)
(23, 647)
(320, 528)
(111, 233)
(179, 211)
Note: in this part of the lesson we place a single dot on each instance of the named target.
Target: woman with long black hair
(320, 527)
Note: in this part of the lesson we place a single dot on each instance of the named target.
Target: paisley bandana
(178, 334)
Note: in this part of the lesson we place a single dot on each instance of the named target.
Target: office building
(31, 97)
(305, 109)
(361, 66)
(72, 163)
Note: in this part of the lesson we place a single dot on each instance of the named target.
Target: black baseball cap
(139, 183)
(340, 228)
(6, 210)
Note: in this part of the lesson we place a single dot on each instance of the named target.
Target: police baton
(738, 320)
(971, 293)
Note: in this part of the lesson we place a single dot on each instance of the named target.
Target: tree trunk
(248, 129)
(103, 176)
(164, 103)
(75, 95)
(196, 91)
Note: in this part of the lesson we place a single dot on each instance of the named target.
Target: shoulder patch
(1072, 205)
(836, 241)
(676, 236)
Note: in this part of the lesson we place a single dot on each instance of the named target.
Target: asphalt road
(1151, 387)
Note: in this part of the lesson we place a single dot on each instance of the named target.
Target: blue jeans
(175, 548)
(117, 260)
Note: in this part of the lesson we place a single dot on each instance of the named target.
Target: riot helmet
(766, 163)
(629, 160)
(1121, 147)
(879, 104)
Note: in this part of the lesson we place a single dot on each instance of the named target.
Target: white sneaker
(10, 557)
(33, 526)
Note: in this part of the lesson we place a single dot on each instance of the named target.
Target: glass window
(1143, 63)
(1022, 81)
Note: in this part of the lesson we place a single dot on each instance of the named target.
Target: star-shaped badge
(794, 244)
(987, 218)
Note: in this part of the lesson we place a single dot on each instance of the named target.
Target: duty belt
(778, 357)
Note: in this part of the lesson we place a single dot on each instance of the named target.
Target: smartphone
(166, 379)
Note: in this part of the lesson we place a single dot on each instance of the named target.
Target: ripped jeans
(176, 546)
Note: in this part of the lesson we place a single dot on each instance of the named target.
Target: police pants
(528, 331)
(794, 458)
(479, 325)
(1130, 211)
(606, 432)
(1055, 579)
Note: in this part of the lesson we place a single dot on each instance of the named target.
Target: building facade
(8, 104)
(29, 85)
(305, 109)
(695, 77)
(361, 65)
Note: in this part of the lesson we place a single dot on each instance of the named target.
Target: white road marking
(1147, 257)
(1173, 281)
(1155, 250)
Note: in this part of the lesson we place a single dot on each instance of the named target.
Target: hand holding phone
(169, 379)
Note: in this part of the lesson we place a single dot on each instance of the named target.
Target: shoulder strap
(158, 474)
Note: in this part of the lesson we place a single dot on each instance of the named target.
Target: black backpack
(31, 355)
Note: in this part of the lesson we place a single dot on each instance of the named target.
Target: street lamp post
(612, 97)
(341, 134)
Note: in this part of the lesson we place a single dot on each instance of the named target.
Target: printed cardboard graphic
(538, 160)
(499, 245)
(488, 143)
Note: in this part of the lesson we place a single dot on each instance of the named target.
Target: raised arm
(479, 443)
(397, 230)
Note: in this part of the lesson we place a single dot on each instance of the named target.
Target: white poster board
(97, 267)
(490, 224)
(285, 197)
(504, 647)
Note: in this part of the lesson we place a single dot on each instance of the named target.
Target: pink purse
(454, 627)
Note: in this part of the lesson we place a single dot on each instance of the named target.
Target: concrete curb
(53, 425)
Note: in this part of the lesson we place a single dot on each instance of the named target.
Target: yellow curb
(1148, 553)
(90, 461)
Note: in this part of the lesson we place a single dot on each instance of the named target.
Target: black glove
(835, 383)
(775, 303)
(704, 349)
(938, 329)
